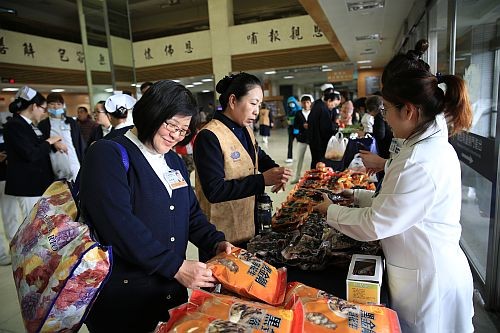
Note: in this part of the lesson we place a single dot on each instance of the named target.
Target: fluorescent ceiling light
(368, 37)
(324, 66)
(57, 90)
(364, 61)
(189, 86)
(197, 83)
(207, 80)
(108, 90)
(288, 77)
(364, 67)
(10, 89)
(270, 72)
(133, 85)
(365, 5)
(326, 70)
(367, 52)
(177, 81)
(205, 91)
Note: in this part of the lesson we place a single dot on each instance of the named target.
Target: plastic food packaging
(324, 312)
(243, 273)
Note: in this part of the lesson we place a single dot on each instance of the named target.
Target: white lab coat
(416, 216)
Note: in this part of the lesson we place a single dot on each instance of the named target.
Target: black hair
(20, 104)
(163, 100)
(374, 103)
(238, 85)
(83, 107)
(55, 97)
(359, 103)
(407, 79)
(332, 96)
(305, 98)
(145, 85)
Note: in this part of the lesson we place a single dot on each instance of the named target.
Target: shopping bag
(355, 145)
(61, 165)
(58, 268)
(336, 147)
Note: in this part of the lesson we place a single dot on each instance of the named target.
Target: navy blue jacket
(29, 171)
(322, 125)
(209, 162)
(298, 124)
(117, 132)
(148, 229)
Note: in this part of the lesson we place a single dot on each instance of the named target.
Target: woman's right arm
(17, 139)
(105, 199)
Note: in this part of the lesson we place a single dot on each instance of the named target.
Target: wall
(362, 75)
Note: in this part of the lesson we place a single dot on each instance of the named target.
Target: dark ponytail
(407, 79)
(238, 85)
(20, 104)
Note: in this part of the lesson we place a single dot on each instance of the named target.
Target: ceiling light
(270, 72)
(177, 81)
(364, 67)
(108, 90)
(205, 91)
(197, 83)
(324, 66)
(133, 85)
(367, 52)
(365, 5)
(326, 70)
(368, 37)
(288, 77)
(57, 90)
(189, 86)
(207, 80)
(364, 61)
(10, 89)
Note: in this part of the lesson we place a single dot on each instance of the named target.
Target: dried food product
(186, 319)
(257, 316)
(244, 274)
(324, 312)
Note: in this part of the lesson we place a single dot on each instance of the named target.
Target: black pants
(317, 155)
(134, 305)
(291, 137)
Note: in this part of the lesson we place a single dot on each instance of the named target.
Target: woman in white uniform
(416, 212)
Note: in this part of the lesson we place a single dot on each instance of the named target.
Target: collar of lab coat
(437, 129)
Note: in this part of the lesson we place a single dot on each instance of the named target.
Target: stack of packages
(301, 237)
(294, 308)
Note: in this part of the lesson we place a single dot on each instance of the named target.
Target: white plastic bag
(357, 164)
(61, 165)
(336, 147)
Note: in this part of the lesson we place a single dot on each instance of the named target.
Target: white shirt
(416, 216)
(306, 113)
(156, 160)
(367, 121)
(59, 127)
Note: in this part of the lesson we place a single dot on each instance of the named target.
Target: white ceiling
(386, 21)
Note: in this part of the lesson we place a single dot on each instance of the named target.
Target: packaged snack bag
(324, 312)
(185, 318)
(258, 316)
(244, 274)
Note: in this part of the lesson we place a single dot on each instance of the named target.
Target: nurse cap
(326, 86)
(120, 103)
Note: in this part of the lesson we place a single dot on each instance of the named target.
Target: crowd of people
(148, 211)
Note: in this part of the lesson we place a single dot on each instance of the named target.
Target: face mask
(56, 112)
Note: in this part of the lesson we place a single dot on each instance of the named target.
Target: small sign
(476, 151)
(339, 75)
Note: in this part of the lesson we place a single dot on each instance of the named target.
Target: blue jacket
(132, 211)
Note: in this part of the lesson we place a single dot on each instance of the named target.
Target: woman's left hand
(224, 246)
(323, 207)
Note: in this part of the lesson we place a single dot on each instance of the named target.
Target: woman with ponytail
(416, 211)
(29, 171)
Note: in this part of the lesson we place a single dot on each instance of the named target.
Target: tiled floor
(10, 319)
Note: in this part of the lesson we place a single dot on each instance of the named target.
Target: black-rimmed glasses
(176, 129)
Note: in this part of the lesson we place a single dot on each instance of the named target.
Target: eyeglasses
(43, 107)
(176, 129)
(383, 111)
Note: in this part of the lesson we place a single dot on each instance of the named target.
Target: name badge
(174, 179)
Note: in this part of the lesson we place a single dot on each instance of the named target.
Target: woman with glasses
(231, 168)
(102, 119)
(29, 170)
(416, 211)
(147, 213)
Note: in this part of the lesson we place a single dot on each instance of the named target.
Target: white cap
(26, 93)
(309, 95)
(326, 86)
(119, 102)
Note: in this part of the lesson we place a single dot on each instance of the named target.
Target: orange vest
(235, 218)
(264, 117)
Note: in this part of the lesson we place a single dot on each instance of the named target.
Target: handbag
(58, 266)
(61, 165)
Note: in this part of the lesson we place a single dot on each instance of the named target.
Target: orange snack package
(257, 316)
(244, 274)
(324, 312)
(185, 318)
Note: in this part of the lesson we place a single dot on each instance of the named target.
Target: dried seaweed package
(244, 274)
(186, 318)
(324, 312)
(257, 316)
